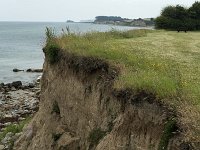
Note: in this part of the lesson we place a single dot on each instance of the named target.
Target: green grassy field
(165, 63)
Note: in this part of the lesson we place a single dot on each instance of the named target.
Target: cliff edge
(80, 109)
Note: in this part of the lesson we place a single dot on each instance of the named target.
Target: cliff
(80, 108)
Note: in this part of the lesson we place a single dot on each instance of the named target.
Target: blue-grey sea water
(21, 46)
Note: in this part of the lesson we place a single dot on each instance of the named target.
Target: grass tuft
(52, 53)
(51, 49)
(14, 128)
(167, 134)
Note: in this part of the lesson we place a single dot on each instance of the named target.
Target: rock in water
(2, 84)
(39, 78)
(34, 70)
(9, 85)
(17, 70)
(17, 84)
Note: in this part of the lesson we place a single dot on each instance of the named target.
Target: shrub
(52, 53)
(51, 49)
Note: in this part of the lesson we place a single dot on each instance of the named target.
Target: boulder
(8, 85)
(2, 84)
(13, 89)
(17, 84)
(17, 70)
(7, 138)
(24, 87)
(1, 87)
(34, 70)
(31, 85)
(38, 79)
(1, 147)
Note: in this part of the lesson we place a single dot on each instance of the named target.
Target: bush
(52, 48)
(161, 22)
(52, 53)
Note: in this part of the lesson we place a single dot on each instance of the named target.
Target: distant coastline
(146, 22)
(119, 21)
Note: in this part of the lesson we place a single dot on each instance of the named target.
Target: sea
(21, 46)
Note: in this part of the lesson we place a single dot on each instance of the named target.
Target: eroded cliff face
(79, 109)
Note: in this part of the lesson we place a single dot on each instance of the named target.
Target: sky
(62, 10)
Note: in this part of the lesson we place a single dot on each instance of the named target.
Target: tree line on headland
(179, 18)
(116, 20)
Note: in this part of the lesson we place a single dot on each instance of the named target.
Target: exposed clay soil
(80, 109)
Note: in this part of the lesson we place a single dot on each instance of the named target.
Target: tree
(168, 12)
(194, 13)
(173, 18)
(108, 18)
(181, 12)
(179, 18)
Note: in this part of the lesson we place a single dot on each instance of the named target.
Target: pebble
(1, 147)
(7, 138)
(7, 123)
(8, 116)
(16, 102)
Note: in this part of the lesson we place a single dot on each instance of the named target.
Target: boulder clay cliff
(81, 110)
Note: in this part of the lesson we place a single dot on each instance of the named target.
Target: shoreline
(17, 103)
(26, 76)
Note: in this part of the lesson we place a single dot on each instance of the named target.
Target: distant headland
(116, 20)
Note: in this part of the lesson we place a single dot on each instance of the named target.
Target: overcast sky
(62, 10)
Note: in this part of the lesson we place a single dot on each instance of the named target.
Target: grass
(167, 134)
(164, 63)
(14, 128)
(53, 48)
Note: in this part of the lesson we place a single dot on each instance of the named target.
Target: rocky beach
(17, 103)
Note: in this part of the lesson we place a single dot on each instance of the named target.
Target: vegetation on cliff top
(164, 63)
